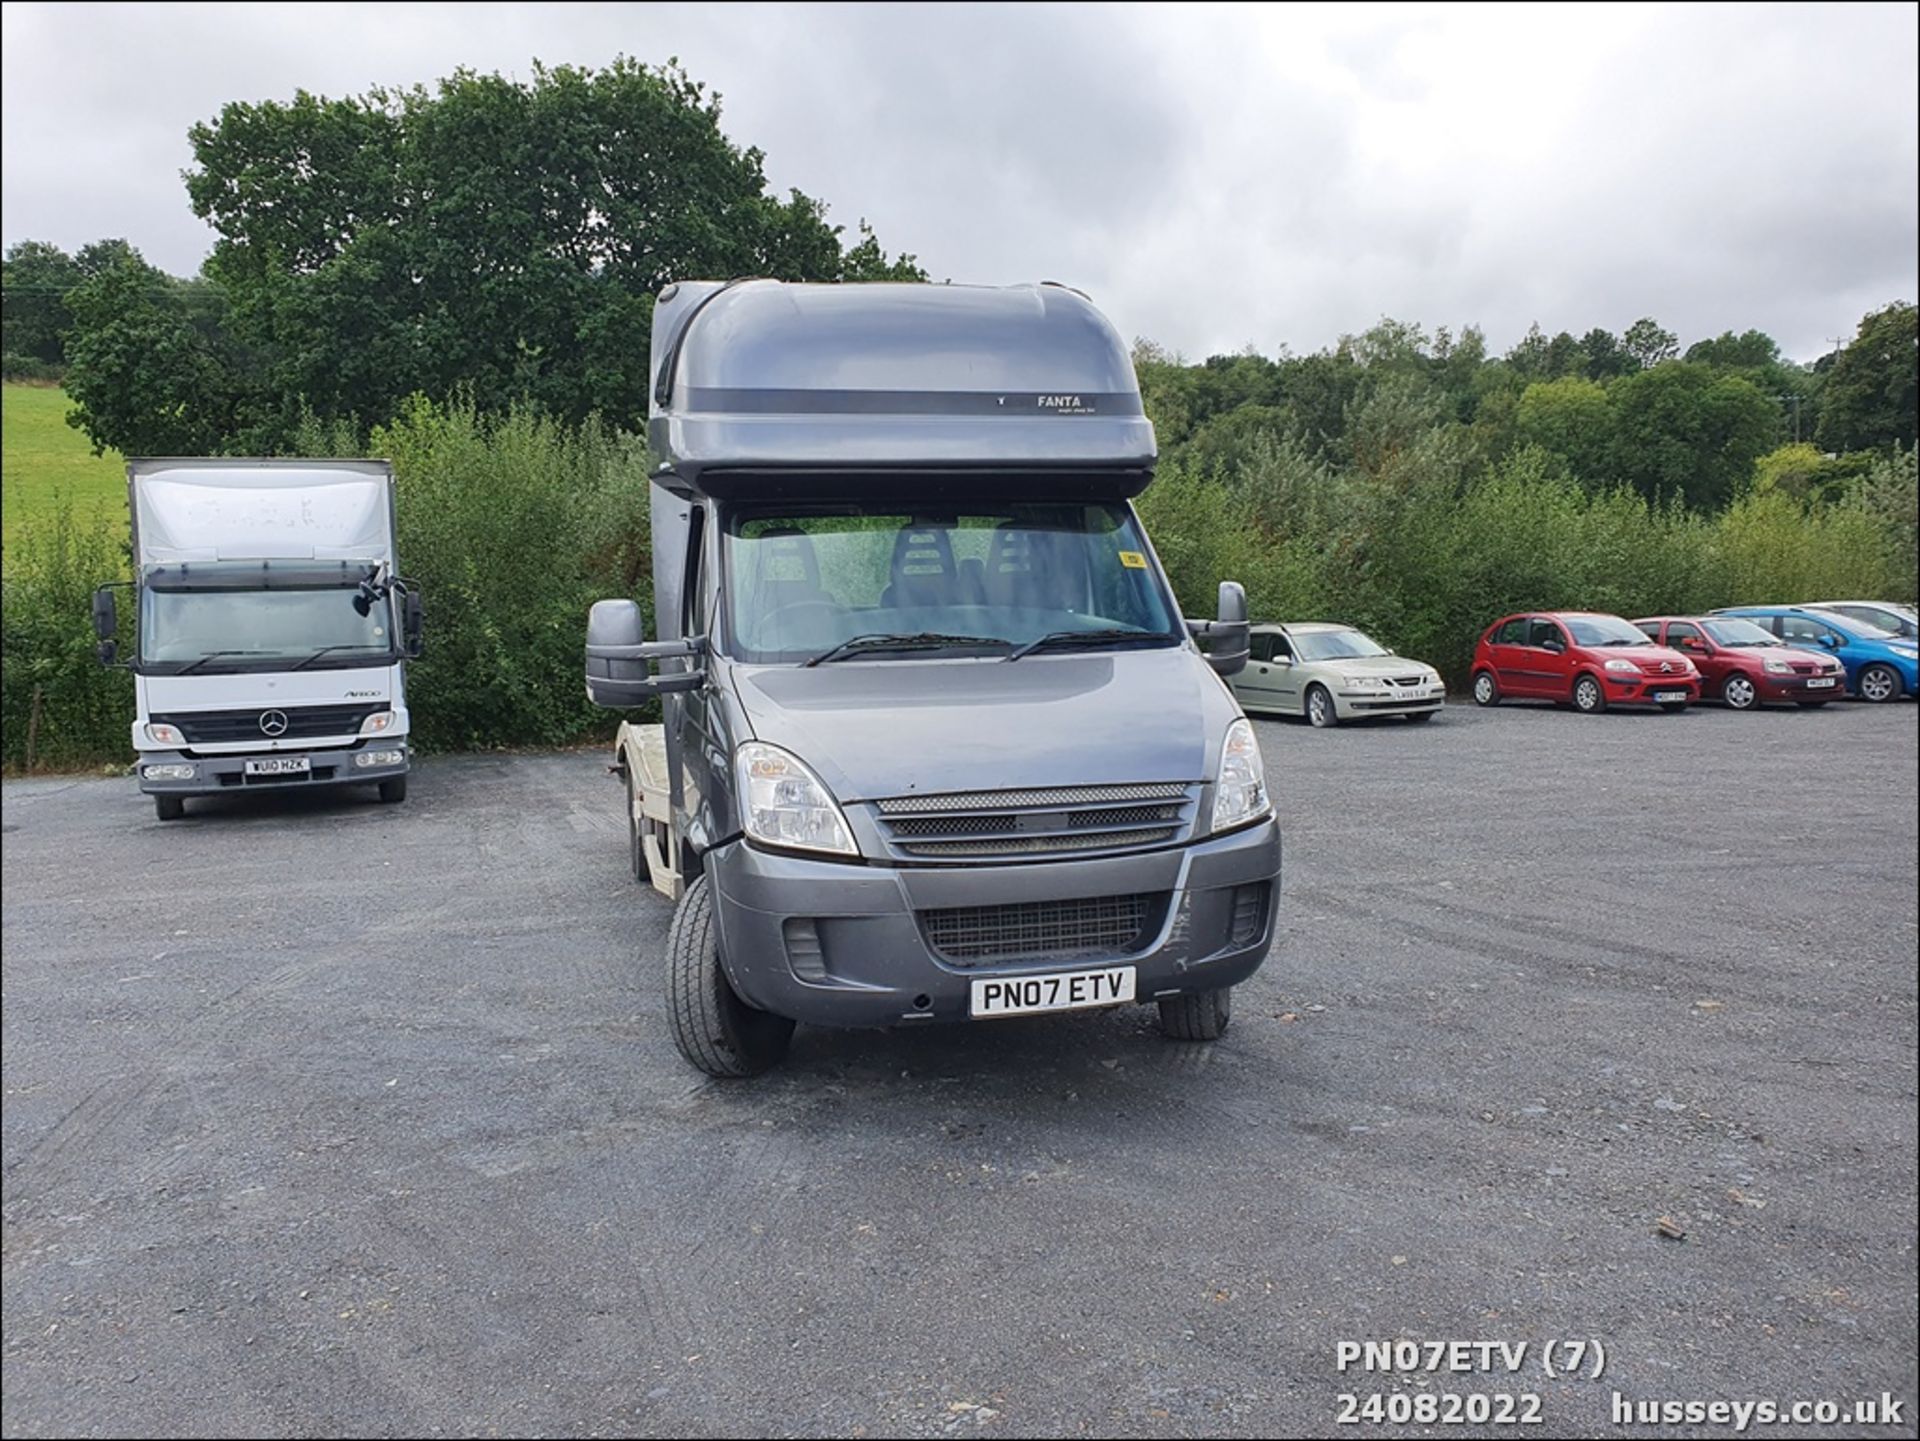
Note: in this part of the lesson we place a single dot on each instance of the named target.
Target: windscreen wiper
(883, 640)
(1084, 637)
(329, 649)
(214, 655)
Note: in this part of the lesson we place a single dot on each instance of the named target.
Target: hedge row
(514, 525)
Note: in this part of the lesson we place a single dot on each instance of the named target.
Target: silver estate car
(1333, 673)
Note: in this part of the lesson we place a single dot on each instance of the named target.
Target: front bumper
(1646, 690)
(836, 944)
(226, 774)
(1411, 700)
(1799, 687)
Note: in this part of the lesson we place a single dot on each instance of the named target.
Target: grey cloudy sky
(1214, 176)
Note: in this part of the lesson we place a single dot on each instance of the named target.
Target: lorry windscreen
(261, 629)
(802, 580)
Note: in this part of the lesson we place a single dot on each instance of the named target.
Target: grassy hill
(42, 459)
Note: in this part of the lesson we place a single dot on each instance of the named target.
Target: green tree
(1755, 350)
(1869, 397)
(148, 364)
(1571, 418)
(1606, 359)
(1646, 344)
(495, 236)
(34, 280)
(1684, 432)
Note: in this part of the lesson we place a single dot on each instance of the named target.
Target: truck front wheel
(1200, 1016)
(394, 791)
(169, 808)
(715, 1030)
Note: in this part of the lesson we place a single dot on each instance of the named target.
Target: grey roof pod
(756, 379)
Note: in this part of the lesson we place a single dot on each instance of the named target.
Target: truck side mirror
(618, 653)
(1229, 632)
(105, 620)
(413, 619)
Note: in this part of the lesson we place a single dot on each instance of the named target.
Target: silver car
(1333, 673)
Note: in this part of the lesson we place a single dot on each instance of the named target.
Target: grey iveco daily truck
(937, 744)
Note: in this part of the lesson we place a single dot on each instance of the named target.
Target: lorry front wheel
(1200, 1016)
(169, 808)
(715, 1030)
(394, 791)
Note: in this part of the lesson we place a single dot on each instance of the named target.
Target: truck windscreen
(213, 630)
(803, 580)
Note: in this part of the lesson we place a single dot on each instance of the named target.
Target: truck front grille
(1077, 929)
(999, 825)
(303, 722)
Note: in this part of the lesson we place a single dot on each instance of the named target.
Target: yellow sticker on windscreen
(1133, 560)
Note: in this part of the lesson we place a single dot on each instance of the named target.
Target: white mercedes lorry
(271, 628)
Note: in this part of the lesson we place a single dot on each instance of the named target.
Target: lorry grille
(214, 727)
(1041, 930)
(993, 825)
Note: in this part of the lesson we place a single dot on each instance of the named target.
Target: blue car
(1880, 667)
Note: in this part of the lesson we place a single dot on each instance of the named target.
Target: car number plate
(1071, 991)
(279, 766)
(1820, 683)
(1664, 696)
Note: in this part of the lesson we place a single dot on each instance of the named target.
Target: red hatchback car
(1744, 664)
(1580, 657)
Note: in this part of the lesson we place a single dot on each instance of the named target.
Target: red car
(1580, 657)
(1744, 664)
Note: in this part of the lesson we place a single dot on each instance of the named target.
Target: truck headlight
(1626, 666)
(168, 773)
(162, 734)
(376, 723)
(1240, 792)
(783, 803)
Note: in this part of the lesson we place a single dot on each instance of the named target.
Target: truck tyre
(1198, 1016)
(394, 791)
(169, 808)
(636, 852)
(715, 1030)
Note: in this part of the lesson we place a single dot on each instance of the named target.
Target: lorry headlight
(1240, 793)
(168, 773)
(162, 734)
(368, 759)
(783, 803)
(376, 722)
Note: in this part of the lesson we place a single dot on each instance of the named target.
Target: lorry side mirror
(413, 622)
(105, 620)
(108, 652)
(618, 653)
(1230, 633)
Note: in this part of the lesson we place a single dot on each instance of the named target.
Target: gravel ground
(323, 1116)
